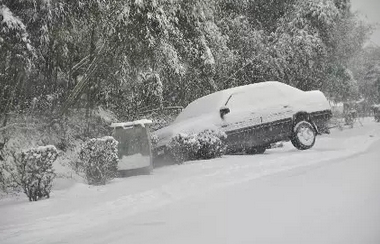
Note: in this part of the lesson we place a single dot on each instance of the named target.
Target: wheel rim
(305, 135)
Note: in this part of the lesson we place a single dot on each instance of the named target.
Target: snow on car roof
(264, 84)
(141, 122)
(229, 91)
(207, 104)
(255, 85)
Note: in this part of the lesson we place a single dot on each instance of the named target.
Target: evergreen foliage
(133, 56)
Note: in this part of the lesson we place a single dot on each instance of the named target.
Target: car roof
(238, 89)
(217, 98)
(251, 86)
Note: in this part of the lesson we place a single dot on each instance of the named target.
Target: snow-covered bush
(212, 144)
(33, 171)
(204, 145)
(98, 160)
(183, 147)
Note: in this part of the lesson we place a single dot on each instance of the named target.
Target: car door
(257, 116)
(245, 117)
(280, 106)
(242, 113)
(277, 119)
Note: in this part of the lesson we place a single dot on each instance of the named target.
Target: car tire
(303, 135)
(256, 150)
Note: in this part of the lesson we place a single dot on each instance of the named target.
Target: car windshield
(204, 105)
(253, 97)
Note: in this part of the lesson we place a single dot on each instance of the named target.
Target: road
(329, 194)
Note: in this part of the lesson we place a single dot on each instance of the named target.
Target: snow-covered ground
(328, 194)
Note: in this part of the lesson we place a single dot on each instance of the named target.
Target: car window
(260, 97)
(253, 98)
(201, 106)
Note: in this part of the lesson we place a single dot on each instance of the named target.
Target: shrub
(204, 145)
(212, 144)
(183, 147)
(34, 172)
(98, 160)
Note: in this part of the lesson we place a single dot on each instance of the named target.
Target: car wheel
(303, 136)
(256, 150)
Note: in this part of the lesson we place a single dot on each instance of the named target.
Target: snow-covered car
(254, 116)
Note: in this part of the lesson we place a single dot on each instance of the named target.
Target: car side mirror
(223, 111)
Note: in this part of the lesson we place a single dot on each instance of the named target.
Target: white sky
(370, 12)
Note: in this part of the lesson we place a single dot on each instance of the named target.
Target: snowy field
(328, 194)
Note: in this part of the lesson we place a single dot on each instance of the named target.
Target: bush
(183, 147)
(34, 171)
(98, 160)
(212, 144)
(204, 145)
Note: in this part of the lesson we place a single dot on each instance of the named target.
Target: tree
(366, 68)
(88, 53)
(15, 62)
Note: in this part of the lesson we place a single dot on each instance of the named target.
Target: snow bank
(86, 214)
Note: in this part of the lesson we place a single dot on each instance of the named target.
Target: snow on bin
(134, 148)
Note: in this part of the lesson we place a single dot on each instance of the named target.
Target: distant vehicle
(255, 116)
(134, 147)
